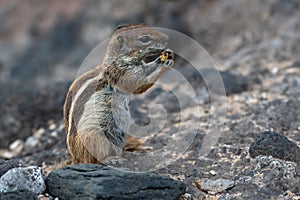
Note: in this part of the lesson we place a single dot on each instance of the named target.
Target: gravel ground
(254, 44)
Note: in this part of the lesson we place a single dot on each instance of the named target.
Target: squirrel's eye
(145, 39)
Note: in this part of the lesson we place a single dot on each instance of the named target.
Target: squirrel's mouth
(152, 56)
(150, 60)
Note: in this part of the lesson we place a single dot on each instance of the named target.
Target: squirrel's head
(135, 37)
(135, 59)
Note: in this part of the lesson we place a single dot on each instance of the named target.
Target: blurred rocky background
(255, 44)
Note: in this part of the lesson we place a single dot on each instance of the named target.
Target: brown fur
(77, 145)
(133, 144)
(90, 143)
(75, 86)
(143, 88)
(127, 27)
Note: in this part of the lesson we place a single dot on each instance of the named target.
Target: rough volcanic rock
(18, 195)
(101, 182)
(23, 178)
(6, 165)
(276, 145)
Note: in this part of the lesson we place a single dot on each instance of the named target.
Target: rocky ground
(254, 44)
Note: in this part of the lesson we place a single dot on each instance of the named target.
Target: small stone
(181, 177)
(39, 133)
(61, 127)
(52, 127)
(54, 133)
(31, 142)
(44, 197)
(185, 196)
(214, 186)
(213, 172)
(23, 178)
(244, 179)
(274, 70)
(17, 146)
(6, 154)
(264, 95)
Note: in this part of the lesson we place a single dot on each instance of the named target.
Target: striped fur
(96, 111)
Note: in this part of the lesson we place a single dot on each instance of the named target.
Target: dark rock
(6, 165)
(233, 83)
(23, 109)
(18, 195)
(102, 182)
(276, 145)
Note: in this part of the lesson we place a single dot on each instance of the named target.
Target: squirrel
(96, 113)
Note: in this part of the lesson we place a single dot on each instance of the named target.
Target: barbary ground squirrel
(96, 111)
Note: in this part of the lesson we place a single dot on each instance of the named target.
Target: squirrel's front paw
(167, 58)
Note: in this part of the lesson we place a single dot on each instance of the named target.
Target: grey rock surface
(23, 178)
(18, 195)
(214, 186)
(100, 182)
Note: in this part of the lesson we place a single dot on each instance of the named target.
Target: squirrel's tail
(57, 166)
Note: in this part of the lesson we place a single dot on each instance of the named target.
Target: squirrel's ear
(121, 48)
(120, 39)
